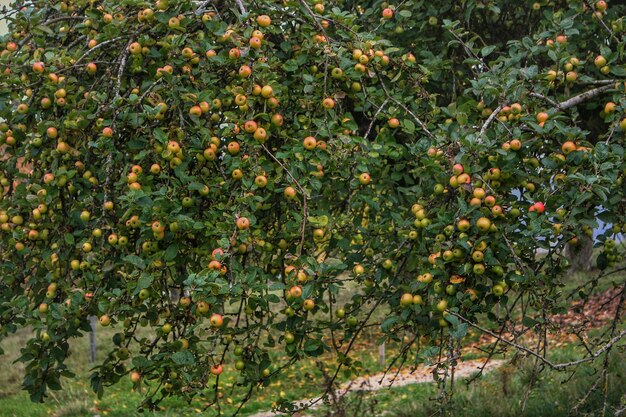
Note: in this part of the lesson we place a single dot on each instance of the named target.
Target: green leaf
(183, 358)
(388, 323)
(602, 151)
(487, 50)
(136, 261)
(171, 252)
(528, 322)
(144, 281)
(460, 331)
(141, 362)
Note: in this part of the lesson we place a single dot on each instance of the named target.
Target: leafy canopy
(229, 173)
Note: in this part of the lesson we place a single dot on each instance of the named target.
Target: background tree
(259, 158)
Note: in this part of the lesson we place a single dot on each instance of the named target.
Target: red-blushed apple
(243, 223)
(216, 320)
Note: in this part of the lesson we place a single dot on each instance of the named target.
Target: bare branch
(120, 70)
(556, 366)
(544, 98)
(582, 97)
(202, 7)
(98, 46)
(490, 119)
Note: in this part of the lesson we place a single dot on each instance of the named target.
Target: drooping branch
(542, 358)
(602, 22)
(49, 22)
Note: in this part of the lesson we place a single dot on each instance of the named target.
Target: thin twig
(149, 89)
(405, 108)
(98, 46)
(369, 129)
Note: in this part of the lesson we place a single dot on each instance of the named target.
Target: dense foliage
(220, 171)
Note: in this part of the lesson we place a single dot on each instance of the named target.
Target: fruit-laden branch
(305, 213)
(49, 22)
(405, 108)
(599, 18)
(317, 22)
(582, 97)
(98, 46)
(556, 366)
(332, 380)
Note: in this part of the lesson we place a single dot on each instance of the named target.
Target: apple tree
(226, 174)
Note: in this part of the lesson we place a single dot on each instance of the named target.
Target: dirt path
(379, 381)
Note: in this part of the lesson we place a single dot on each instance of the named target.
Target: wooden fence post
(92, 339)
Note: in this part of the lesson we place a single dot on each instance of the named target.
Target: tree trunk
(580, 255)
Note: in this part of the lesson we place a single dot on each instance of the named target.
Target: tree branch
(202, 7)
(369, 129)
(608, 29)
(49, 22)
(489, 120)
(544, 98)
(405, 108)
(317, 22)
(242, 7)
(98, 46)
(304, 197)
(582, 97)
(556, 366)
